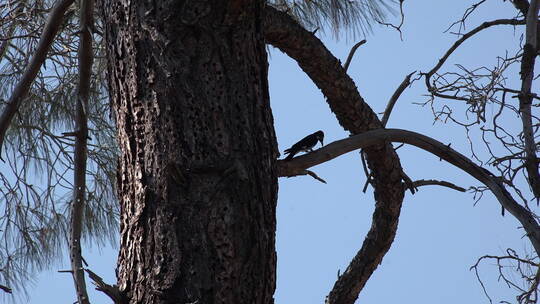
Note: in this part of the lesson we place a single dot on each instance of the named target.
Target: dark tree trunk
(197, 177)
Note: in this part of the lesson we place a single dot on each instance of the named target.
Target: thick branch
(525, 97)
(52, 26)
(355, 116)
(77, 207)
(433, 146)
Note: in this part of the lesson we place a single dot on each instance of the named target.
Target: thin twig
(307, 172)
(6, 289)
(456, 44)
(402, 20)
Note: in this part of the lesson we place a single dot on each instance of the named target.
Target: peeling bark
(197, 177)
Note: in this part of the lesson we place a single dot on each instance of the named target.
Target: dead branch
(310, 173)
(112, 291)
(390, 106)
(431, 145)
(81, 149)
(434, 182)
(525, 98)
(351, 54)
(52, 26)
(402, 20)
(456, 44)
(523, 266)
(6, 289)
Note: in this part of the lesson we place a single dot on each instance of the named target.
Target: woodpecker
(306, 144)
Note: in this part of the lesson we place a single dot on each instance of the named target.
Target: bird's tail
(291, 154)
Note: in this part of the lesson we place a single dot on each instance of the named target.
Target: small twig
(402, 20)
(315, 176)
(366, 172)
(6, 289)
(307, 172)
(351, 54)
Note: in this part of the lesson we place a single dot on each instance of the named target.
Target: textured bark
(197, 173)
(355, 116)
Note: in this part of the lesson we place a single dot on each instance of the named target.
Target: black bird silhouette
(306, 144)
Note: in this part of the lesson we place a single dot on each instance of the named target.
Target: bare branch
(456, 44)
(402, 20)
(525, 98)
(81, 149)
(351, 54)
(112, 291)
(52, 26)
(6, 289)
(523, 266)
(310, 173)
(404, 84)
(433, 146)
(434, 182)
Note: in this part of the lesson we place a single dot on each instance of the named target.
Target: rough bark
(197, 178)
(356, 116)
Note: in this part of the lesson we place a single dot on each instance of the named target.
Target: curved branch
(56, 17)
(456, 44)
(433, 182)
(351, 54)
(355, 116)
(431, 145)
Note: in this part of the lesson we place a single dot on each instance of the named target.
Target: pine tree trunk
(197, 173)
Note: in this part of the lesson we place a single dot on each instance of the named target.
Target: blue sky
(321, 226)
